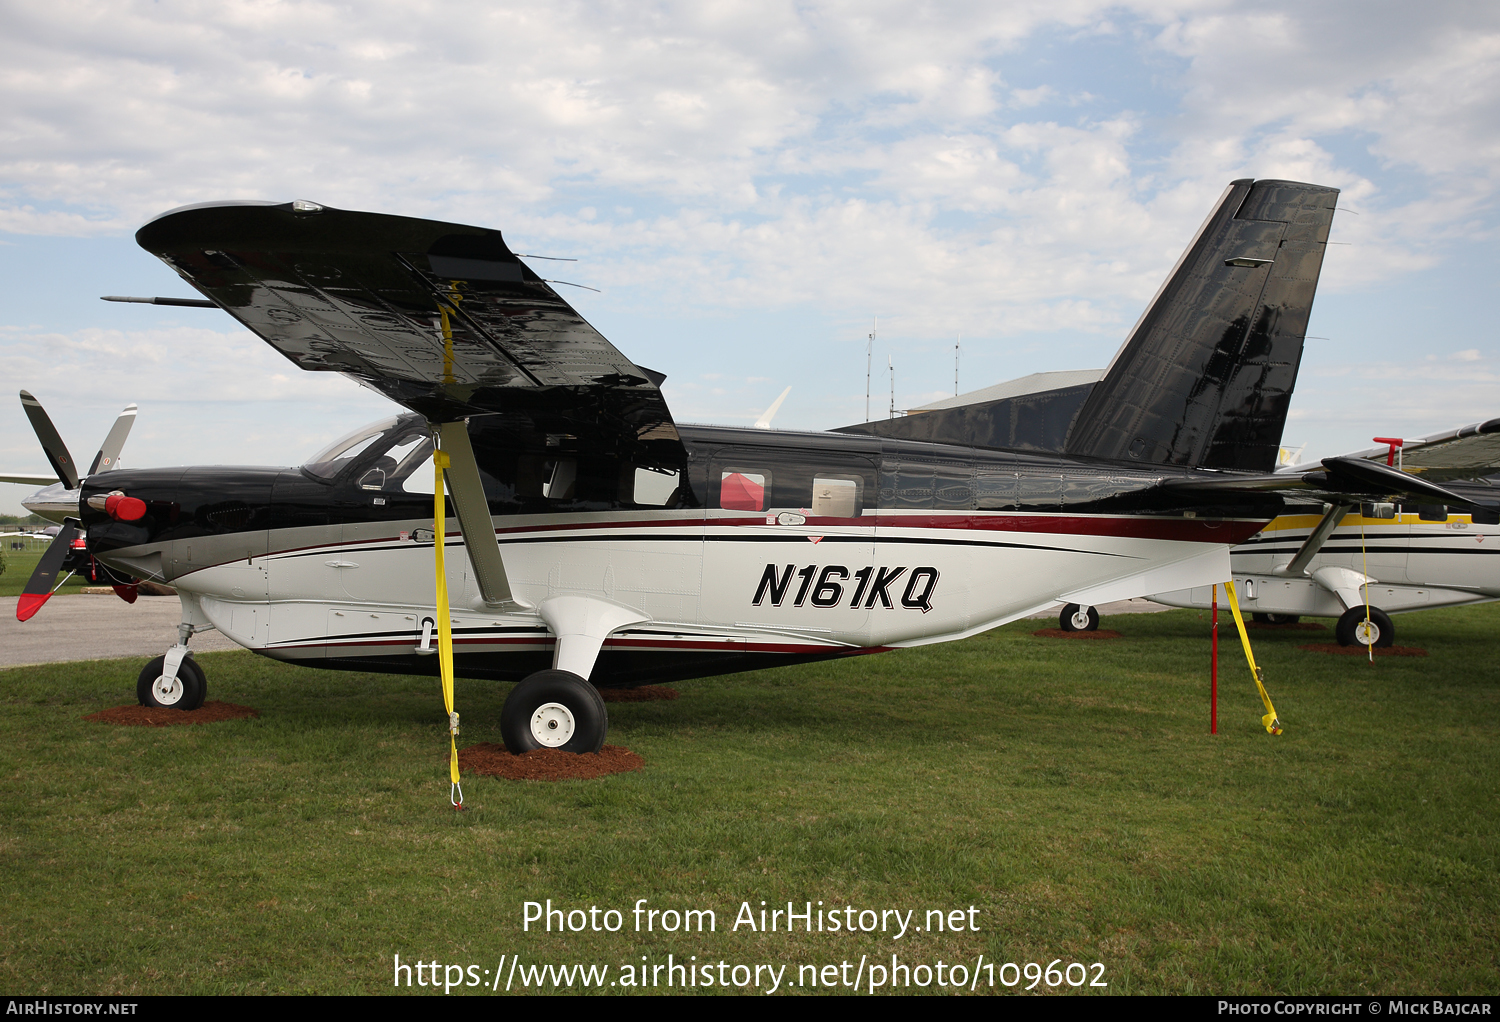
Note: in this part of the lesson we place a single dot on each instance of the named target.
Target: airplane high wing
(1463, 453)
(441, 318)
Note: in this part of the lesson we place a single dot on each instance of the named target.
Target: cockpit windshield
(340, 454)
(392, 456)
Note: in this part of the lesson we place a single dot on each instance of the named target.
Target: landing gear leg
(175, 680)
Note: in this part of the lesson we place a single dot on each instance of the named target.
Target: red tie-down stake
(1395, 443)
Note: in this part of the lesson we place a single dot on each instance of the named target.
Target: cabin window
(655, 487)
(562, 479)
(835, 497)
(394, 470)
(1432, 513)
(420, 478)
(743, 491)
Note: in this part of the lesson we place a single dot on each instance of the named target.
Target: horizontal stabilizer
(1339, 480)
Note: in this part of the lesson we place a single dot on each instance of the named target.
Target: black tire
(1066, 621)
(554, 710)
(1275, 619)
(1352, 622)
(192, 685)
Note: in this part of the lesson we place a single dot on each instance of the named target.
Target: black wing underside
(441, 318)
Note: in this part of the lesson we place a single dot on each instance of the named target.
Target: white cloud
(955, 169)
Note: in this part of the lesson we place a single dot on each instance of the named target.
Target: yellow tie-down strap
(445, 625)
(1270, 720)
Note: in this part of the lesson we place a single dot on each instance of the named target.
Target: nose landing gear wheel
(554, 710)
(1353, 631)
(185, 692)
(1078, 619)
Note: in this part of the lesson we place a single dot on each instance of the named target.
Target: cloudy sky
(748, 184)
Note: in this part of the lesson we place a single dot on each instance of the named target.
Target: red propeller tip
(29, 604)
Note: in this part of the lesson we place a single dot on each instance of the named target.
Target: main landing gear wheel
(185, 692)
(1078, 619)
(554, 710)
(1353, 631)
(1275, 619)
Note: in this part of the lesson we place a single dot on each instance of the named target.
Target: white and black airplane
(607, 544)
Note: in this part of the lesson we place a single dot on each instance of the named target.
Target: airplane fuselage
(763, 548)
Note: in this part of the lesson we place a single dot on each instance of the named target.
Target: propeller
(109, 452)
(52, 444)
(43, 581)
(40, 586)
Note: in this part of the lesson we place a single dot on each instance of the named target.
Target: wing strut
(473, 513)
(1316, 539)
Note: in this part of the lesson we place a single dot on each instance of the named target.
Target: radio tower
(869, 353)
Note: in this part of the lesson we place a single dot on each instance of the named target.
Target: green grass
(1069, 790)
(19, 564)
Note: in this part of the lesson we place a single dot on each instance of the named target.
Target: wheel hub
(1081, 620)
(552, 725)
(1367, 633)
(167, 693)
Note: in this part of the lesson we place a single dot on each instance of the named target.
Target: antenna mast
(869, 353)
(891, 365)
(955, 363)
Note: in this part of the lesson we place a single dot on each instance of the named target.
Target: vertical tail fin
(1206, 375)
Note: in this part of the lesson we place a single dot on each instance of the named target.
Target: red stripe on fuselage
(1227, 532)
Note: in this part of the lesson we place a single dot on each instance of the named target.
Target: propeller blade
(56, 450)
(109, 454)
(39, 588)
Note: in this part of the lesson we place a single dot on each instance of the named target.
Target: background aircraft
(1363, 563)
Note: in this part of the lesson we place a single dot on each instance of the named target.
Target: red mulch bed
(210, 712)
(1333, 647)
(1058, 633)
(644, 694)
(1296, 626)
(547, 764)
